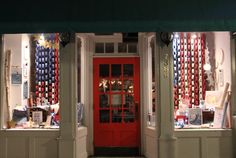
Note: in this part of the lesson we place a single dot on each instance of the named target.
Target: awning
(29, 16)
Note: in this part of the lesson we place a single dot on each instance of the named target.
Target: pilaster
(68, 99)
(165, 121)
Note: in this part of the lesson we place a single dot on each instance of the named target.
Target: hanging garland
(189, 58)
(47, 69)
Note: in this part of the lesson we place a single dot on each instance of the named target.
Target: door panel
(116, 102)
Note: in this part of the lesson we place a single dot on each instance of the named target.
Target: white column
(2, 81)
(165, 120)
(68, 99)
(233, 88)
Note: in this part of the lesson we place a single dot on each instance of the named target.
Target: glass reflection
(129, 115)
(116, 115)
(128, 85)
(104, 70)
(128, 70)
(116, 100)
(104, 100)
(103, 85)
(129, 101)
(116, 85)
(116, 70)
(104, 116)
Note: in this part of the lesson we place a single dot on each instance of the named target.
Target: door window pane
(104, 85)
(116, 70)
(109, 47)
(116, 115)
(129, 101)
(129, 115)
(104, 70)
(122, 47)
(128, 85)
(104, 100)
(116, 85)
(99, 48)
(128, 70)
(104, 116)
(116, 100)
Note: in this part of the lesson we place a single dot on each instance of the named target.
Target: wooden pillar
(68, 99)
(165, 107)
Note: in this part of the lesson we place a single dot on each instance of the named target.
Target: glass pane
(129, 115)
(132, 48)
(128, 85)
(116, 115)
(104, 70)
(116, 85)
(122, 47)
(128, 70)
(104, 85)
(104, 101)
(104, 116)
(109, 47)
(116, 100)
(99, 48)
(116, 70)
(129, 101)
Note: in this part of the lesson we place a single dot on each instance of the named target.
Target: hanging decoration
(47, 68)
(189, 58)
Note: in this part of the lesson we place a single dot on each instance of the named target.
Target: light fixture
(41, 39)
(194, 35)
(176, 35)
(207, 67)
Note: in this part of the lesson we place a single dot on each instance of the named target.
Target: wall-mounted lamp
(64, 38)
(166, 37)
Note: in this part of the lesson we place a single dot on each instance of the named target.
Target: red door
(116, 102)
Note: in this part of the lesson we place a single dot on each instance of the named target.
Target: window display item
(189, 58)
(16, 75)
(195, 116)
(47, 69)
(221, 113)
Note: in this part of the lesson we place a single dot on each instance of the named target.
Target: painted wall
(222, 42)
(19, 46)
(13, 42)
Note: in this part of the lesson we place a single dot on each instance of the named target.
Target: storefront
(152, 95)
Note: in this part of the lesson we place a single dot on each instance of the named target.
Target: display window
(201, 79)
(31, 90)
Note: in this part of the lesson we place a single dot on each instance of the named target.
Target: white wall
(222, 42)
(19, 56)
(13, 42)
(25, 58)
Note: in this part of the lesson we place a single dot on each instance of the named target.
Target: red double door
(116, 102)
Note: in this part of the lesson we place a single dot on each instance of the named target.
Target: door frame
(87, 55)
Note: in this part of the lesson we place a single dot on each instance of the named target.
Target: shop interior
(31, 81)
(202, 80)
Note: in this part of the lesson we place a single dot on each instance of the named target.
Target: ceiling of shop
(117, 15)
